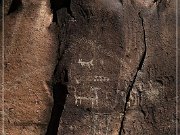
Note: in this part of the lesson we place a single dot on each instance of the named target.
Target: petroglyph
(116, 97)
(77, 81)
(91, 79)
(86, 64)
(134, 98)
(102, 62)
(153, 89)
(72, 20)
(101, 79)
(93, 100)
(123, 95)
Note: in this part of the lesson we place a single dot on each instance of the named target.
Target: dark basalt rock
(119, 57)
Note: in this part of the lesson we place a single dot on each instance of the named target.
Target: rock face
(113, 71)
(119, 58)
(30, 44)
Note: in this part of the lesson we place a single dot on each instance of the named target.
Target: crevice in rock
(59, 4)
(60, 92)
(130, 87)
(59, 85)
(15, 6)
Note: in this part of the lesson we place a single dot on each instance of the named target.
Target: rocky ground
(109, 65)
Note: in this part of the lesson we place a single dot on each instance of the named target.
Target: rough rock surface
(1, 100)
(113, 68)
(30, 58)
(119, 59)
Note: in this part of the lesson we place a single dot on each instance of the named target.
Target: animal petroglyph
(86, 64)
(93, 100)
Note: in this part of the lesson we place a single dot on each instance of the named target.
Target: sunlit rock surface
(30, 58)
